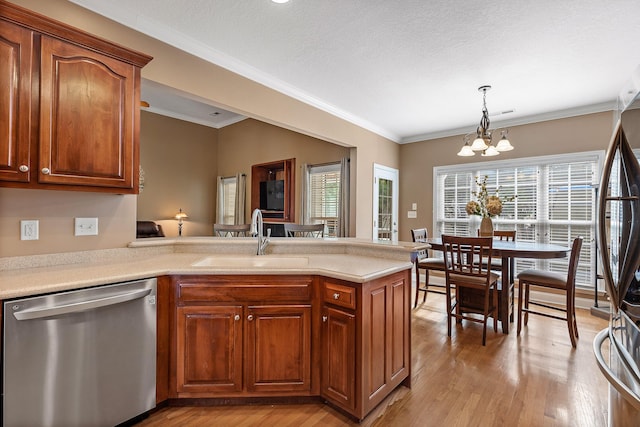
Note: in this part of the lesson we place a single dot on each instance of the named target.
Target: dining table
(508, 251)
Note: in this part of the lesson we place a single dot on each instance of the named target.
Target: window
(323, 196)
(227, 199)
(556, 202)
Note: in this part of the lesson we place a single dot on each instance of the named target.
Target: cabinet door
(278, 351)
(386, 345)
(87, 118)
(15, 102)
(338, 357)
(209, 349)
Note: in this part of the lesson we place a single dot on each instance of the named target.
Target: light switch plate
(414, 206)
(86, 227)
(29, 229)
(412, 214)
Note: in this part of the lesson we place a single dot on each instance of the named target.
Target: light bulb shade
(466, 151)
(181, 215)
(504, 144)
(491, 151)
(479, 144)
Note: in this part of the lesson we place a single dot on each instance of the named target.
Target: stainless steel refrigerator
(619, 244)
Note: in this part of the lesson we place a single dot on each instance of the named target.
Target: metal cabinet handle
(250, 317)
(336, 296)
(325, 318)
(46, 171)
(236, 317)
(23, 168)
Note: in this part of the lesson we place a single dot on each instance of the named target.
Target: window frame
(546, 230)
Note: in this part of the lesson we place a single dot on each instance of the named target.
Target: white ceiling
(406, 69)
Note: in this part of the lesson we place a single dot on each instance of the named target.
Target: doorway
(385, 203)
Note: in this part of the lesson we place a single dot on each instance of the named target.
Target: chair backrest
(228, 230)
(303, 230)
(462, 256)
(507, 235)
(573, 261)
(419, 235)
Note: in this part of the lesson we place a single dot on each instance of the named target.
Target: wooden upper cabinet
(15, 102)
(72, 117)
(86, 105)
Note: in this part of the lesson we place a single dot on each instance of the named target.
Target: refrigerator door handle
(627, 393)
(39, 313)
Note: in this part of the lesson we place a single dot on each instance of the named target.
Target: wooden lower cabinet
(209, 349)
(288, 336)
(239, 336)
(367, 349)
(339, 357)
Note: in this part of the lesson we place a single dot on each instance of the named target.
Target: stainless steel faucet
(258, 230)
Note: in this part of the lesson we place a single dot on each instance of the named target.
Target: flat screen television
(272, 195)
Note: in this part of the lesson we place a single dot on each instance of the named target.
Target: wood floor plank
(536, 379)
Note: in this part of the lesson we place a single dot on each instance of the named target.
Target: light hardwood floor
(536, 379)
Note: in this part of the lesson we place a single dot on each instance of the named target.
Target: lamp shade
(479, 144)
(181, 215)
(504, 144)
(491, 151)
(466, 151)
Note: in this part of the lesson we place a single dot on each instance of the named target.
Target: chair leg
(495, 308)
(426, 285)
(520, 298)
(526, 304)
(415, 304)
(486, 316)
(448, 289)
(571, 318)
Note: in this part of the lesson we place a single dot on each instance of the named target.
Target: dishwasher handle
(39, 313)
(625, 391)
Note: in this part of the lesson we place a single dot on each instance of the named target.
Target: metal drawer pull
(23, 168)
(46, 171)
(236, 317)
(336, 296)
(324, 318)
(250, 317)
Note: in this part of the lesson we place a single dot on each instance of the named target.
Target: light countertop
(348, 259)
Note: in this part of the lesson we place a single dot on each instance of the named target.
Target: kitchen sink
(249, 261)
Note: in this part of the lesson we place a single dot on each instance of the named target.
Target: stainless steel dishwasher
(80, 358)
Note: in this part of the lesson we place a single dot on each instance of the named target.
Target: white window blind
(555, 203)
(323, 196)
(227, 199)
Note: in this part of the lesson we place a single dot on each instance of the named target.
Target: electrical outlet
(29, 229)
(86, 227)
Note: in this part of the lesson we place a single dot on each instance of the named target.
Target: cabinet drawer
(344, 296)
(266, 288)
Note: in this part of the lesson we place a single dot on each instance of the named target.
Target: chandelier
(483, 134)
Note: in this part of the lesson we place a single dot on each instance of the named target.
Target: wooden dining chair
(496, 262)
(425, 262)
(229, 230)
(464, 273)
(559, 281)
(304, 230)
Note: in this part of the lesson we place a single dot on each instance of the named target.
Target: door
(385, 203)
(209, 343)
(278, 348)
(339, 357)
(15, 102)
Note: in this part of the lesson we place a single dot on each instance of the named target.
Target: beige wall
(250, 142)
(417, 160)
(212, 84)
(180, 164)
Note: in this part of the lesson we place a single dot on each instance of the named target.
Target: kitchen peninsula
(313, 319)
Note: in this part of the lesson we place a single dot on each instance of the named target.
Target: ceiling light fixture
(280, 1)
(483, 134)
